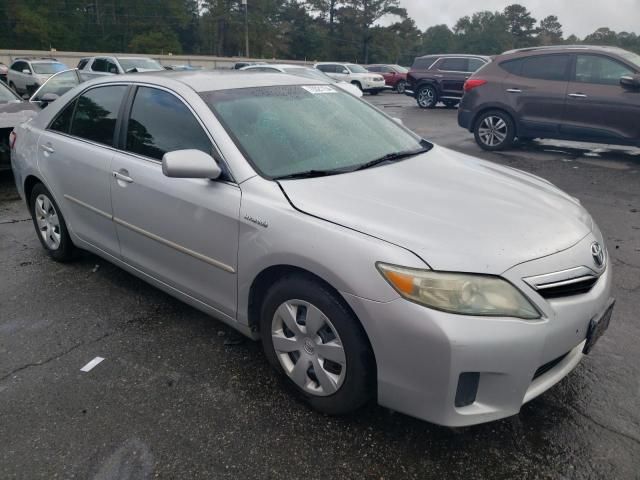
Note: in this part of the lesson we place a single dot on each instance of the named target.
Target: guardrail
(71, 59)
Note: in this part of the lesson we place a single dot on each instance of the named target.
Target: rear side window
(161, 123)
(97, 112)
(600, 70)
(453, 64)
(374, 69)
(475, 64)
(99, 65)
(546, 67)
(514, 67)
(62, 123)
(422, 63)
(327, 68)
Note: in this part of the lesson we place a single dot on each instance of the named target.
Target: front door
(74, 156)
(598, 108)
(183, 232)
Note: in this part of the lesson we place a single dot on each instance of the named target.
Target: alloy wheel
(426, 97)
(401, 87)
(308, 347)
(493, 131)
(48, 222)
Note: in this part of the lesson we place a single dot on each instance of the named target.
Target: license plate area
(598, 326)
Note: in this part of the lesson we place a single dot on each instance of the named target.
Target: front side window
(288, 130)
(356, 68)
(161, 123)
(452, 65)
(97, 112)
(600, 70)
(546, 67)
(111, 67)
(99, 65)
(48, 68)
(139, 64)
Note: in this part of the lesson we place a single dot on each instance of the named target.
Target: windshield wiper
(392, 157)
(310, 174)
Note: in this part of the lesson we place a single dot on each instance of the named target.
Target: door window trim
(456, 58)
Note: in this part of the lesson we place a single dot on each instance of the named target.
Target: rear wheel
(427, 97)
(401, 86)
(50, 225)
(316, 343)
(494, 130)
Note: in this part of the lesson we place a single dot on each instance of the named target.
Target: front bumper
(368, 86)
(421, 354)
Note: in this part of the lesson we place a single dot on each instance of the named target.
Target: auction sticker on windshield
(316, 89)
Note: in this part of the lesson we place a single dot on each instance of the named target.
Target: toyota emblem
(597, 252)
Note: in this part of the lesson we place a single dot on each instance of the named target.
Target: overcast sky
(579, 17)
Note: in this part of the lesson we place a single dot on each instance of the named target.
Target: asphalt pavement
(180, 396)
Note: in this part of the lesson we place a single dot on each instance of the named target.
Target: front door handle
(123, 177)
(48, 148)
(514, 90)
(577, 95)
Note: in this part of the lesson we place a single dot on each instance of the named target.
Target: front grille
(567, 288)
(548, 366)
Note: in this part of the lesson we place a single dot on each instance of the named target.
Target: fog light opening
(467, 389)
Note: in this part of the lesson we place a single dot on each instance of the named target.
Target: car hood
(14, 113)
(456, 212)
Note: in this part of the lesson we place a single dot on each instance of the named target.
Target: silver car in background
(370, 262)
(26, 75)
(104, 66)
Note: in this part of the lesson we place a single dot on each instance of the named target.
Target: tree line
(348, 30)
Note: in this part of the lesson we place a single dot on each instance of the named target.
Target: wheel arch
(30, 182)
(491, 107)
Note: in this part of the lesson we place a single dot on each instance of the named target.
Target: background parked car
(440, 78)
(357, 75)
(240, 65)
(14, 110)
(394, 76)
(578, 93)
(3, 72)
(307, 72)
(183, 67)
(94, 67)
(26, 75)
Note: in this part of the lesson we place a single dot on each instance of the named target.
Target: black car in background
(440, 78)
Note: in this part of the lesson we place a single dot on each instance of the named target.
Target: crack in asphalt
(605, 427)
(51, 359)
(627, 264)
(7, 222)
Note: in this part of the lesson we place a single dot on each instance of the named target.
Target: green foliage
(364, 31)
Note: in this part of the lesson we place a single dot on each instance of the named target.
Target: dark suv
(439, 78)
(580, 93)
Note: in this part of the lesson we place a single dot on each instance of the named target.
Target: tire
(12, 86)
(50, 225)
(494, 130)
(357, 84)
(451, 103)
(427, 97)
(334, 386)
(374, 92)
(401, 86)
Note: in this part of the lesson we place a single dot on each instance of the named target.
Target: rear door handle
(578, 95)
(48, 148)
(514, 90)
(122, 177)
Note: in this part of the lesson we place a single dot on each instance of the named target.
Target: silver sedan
(371, 263)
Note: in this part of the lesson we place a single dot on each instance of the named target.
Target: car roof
(457, 55)
(565, 48)
(210, 80)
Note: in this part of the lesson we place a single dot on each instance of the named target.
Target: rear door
(181, 231)
(74, 155)
(451, 74)
(536, 90)
(598, 108)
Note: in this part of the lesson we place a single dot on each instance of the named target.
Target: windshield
(139, 63)
(48, 68)
(311, 73)
(287, 130)
(631, 57)
(357, 68)
(58, 84)
(7, 95)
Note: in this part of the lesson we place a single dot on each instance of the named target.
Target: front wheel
(311, 337)
(494, 130)
(374, 92)
(357, 84)
(50, 225)
(427, 97)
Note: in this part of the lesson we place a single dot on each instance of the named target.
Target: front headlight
(461, 293)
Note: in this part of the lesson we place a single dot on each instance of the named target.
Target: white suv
(26, 75)
(355, 74)
(96, 67)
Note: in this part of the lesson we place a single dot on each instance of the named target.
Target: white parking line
(89, 366)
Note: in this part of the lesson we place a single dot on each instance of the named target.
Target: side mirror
(46, 99)
(630, 81)
(190, 164)
(26, 71)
